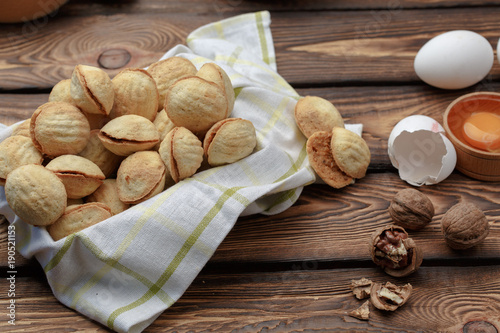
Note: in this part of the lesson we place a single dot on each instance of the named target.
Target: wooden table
(289, 272)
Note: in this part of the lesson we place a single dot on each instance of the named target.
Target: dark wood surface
(288, 272)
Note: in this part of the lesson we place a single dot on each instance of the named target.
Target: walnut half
(394, 251)
(389, 296)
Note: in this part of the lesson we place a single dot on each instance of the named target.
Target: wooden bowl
(471, 161)
(27, 10)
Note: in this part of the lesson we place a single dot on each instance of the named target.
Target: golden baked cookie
(196, 104)
(79, 175)
(127, 134)
(229, 140)
(15, 151)
(214, 73)
(166, 72)
(59, 128)
(35, 194)
(135, 93)
(95, 151)
(92, 89)
(22, 128)
(314, 114)
(321, 159)
(140, 177)
(163, 125)
(182, 153)
(78, 217)
(107, 193)
(61, 92)
(350, 152)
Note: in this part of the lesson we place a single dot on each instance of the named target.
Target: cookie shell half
(350, 151)
(320, 157)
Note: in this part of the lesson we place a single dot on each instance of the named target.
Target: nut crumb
(363, 312)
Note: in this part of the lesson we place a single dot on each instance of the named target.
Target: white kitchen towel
(125, 271)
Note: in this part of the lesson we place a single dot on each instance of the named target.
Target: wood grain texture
(295, 300)
(325, 47)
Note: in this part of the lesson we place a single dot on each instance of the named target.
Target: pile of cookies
(100, 145)
(337, 155)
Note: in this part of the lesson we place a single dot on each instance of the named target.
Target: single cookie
(163, 125)
(135, 93)
(107, 194)
(182, 153)
(79, 175)
(314, 114)
(61, 92)
(350, 151)
(77, 218)
(59, 128)
(216, 74)
(127, 134)
(92, 90)
(15, 151)
(196, 104)
(166, 72)
(22, 128)
(229, 140)
(140, 177)
(35, 194)
(95, 151)
(320, 157)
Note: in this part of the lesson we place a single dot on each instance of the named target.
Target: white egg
(421, 152)
(454, 60)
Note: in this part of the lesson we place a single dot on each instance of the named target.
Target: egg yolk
(482, 130)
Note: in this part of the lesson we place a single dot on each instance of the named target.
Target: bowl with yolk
(472, 123)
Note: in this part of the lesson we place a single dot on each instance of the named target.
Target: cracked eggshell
(419, 149)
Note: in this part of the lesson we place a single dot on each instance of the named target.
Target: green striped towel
(125, 271)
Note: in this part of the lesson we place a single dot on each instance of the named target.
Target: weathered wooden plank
(333, 226)
(444, 299)
(88, 7)
(323, 48)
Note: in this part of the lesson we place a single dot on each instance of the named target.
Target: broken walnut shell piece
(361, 288)
(363, 312)
(388, 296)
(411, 209)
(393, 250)
(464, 225)
(79, 175)
(182, 153)
(129, 133)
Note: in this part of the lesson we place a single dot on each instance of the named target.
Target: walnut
(389, 296)
(464, 225)
(394, 251)
(411, 209)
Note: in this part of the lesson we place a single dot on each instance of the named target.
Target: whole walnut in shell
(411, 209)
(393, 250)
(464, 226)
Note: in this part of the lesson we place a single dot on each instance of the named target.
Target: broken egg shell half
(420, 150)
